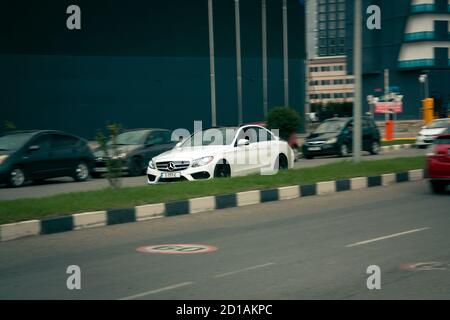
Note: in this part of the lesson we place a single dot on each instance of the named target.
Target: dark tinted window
(156, 137)
(167, 136)
(42, 141)
(62, 141)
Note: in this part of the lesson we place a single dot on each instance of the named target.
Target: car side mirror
(34, 148)
(149, 145)
(243, 142)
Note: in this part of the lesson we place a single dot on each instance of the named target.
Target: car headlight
(120, 156)
(151, 164)
(3, 158)
(331, 141)
(201, 162)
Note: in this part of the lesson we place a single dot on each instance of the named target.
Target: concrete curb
(146, 212)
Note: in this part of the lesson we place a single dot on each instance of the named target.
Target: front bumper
(190, 174)
(4, 175)
(425, 140)
(325, 149)
(100, 166)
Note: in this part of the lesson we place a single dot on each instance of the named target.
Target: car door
(63, 153)
(366, 134)
(36, 158)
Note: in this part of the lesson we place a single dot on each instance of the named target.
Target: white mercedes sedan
(222, 152)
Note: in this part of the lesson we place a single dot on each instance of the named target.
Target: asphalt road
(318, 247)
(64, 185)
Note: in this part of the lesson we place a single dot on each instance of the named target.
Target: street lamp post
(357, 70)
(285, 54)
(264, 56)
(238, 60)
(212, 64)
(424, 80)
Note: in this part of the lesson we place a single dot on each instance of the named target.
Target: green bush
(285, 119)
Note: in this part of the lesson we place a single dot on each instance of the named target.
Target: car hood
(120, 149)
(321, 136)
(432, 132)
(190, 153)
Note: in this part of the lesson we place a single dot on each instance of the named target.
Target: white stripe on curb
(150, 211)
(89, 220)
(287, 193)
(416, 175)
(202, 204)
(358, 183)
(326, 187)
(248, 198)
(19, 230)
(388, 179)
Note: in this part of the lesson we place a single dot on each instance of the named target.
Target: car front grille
(315, 143)
(172, 166)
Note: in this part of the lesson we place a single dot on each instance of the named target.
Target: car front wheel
(343, 150)
(222, 170)
(375, 148)
(81, 172)
(17, 177)
(438, 186)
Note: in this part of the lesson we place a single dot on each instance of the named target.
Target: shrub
(285, 119)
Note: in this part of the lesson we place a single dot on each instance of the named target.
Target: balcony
(419, 63)
(424, 7)
(417, 36)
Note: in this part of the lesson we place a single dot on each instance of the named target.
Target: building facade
(142, 63)
(414, 39)
(329, 81)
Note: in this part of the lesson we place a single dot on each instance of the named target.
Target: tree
(285, 119)
(108, 144)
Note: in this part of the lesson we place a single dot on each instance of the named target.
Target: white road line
(147, 293)
(243, 270)
(385, 237)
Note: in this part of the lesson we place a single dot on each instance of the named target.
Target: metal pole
(238, 60)
(264, 57)
(212, 63)
(285, 54)
(386, 83)
(357, 65)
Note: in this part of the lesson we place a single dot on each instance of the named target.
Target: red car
(438, 164)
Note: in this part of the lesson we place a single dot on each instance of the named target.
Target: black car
(135, 148)
(38, 155)
(335, 137)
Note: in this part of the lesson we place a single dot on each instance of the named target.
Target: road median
(81, 210)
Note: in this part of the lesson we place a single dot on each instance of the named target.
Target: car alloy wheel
(222, 171)
(17, 177)
(343, 150)
(375, 148)
(81, 172)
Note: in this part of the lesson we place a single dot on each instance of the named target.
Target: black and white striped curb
(152, 211)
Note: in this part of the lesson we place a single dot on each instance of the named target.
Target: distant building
(414, 39)
(329, 81)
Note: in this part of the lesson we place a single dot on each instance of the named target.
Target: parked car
(438, 164)
(428, 133)
(221, 152)
(38, 155)
(335, 137)
(292, 141)
(135, 148)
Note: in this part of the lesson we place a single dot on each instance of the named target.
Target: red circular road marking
(424, 266)
(177, 249)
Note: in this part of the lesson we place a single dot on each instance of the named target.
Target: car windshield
(330, 127)
(11, 142)
(131, 137)
(211, 137)
(439, 124)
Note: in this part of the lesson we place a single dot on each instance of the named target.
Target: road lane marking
(385, 237)
(147, 293)
(243, 270)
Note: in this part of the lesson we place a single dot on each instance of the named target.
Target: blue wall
(140, 64)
